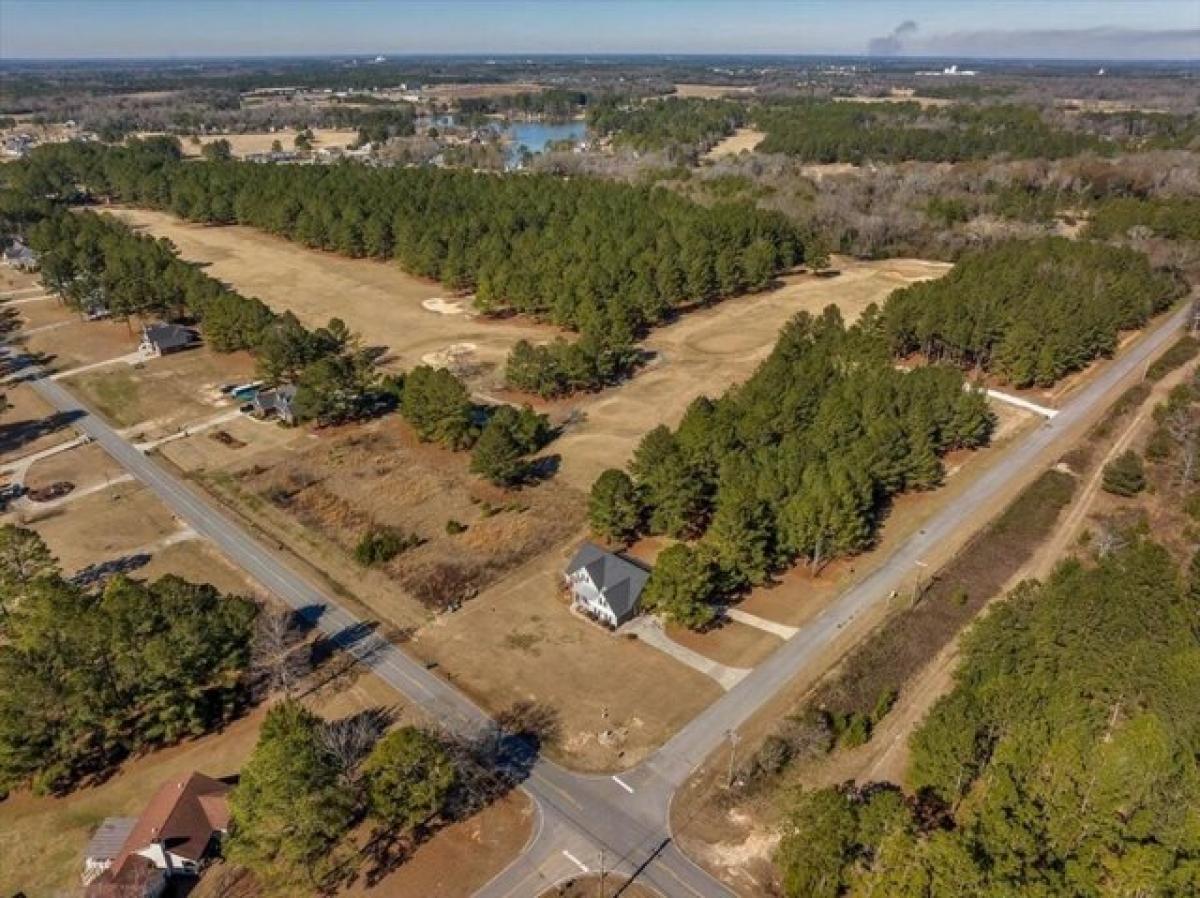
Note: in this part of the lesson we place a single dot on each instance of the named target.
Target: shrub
(1125, 475)
(453, 527)
(380, 545)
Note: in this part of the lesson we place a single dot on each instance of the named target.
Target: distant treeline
(826, 131)
(1030, 311)
(556, 103)
(797, 463)
(662, 124)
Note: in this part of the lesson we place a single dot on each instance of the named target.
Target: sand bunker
(445, 306)
(456, 357)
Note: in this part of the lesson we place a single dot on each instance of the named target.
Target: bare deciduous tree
(279, 655)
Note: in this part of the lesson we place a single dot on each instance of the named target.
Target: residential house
(603, 585)
(176, 833)
(20, 256)
(276, 401)
(161, 339)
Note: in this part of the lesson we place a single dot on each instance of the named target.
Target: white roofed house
(603, 585)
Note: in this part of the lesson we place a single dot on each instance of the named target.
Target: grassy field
(375, 298)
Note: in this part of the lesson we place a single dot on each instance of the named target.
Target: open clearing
(376, 299)
(741, 140)
(710, 91)
(246, 144)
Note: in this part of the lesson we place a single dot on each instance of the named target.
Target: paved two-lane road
(586, 822)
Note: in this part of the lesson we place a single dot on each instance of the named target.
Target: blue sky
(1062, 28)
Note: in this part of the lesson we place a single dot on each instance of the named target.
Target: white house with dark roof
(276, 401)
(604, 585)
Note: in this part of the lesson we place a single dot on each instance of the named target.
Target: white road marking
(920, 563)
(574, 860)
(624, 785)
(1019, 402)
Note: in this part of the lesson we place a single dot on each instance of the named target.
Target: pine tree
(614, 507)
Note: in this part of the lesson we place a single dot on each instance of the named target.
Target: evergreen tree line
(665, 124)
(798, 463)
(608, 260)
(89, 678)
(1064, 761)
(95, 262)
(1030, 311)
(828, 131)
(1173, 218)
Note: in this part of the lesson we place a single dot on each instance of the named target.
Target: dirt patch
(85, 466)
(591, 886)
(374, 298)
(741, 140)
(378, 475)
(199, 562)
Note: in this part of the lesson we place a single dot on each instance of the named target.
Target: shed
(604, 585)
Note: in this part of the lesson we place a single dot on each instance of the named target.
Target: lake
(535, 136)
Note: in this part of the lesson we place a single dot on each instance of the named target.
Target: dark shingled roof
(169, 336)
(618, 579)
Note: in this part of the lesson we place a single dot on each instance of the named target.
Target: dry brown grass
(743, 139)
(711, 91)
(103, 526)
(375, 298)
(29, 425)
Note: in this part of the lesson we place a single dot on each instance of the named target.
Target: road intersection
(621, 824)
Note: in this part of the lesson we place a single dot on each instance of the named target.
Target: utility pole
(601, 873)
(734, 739)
